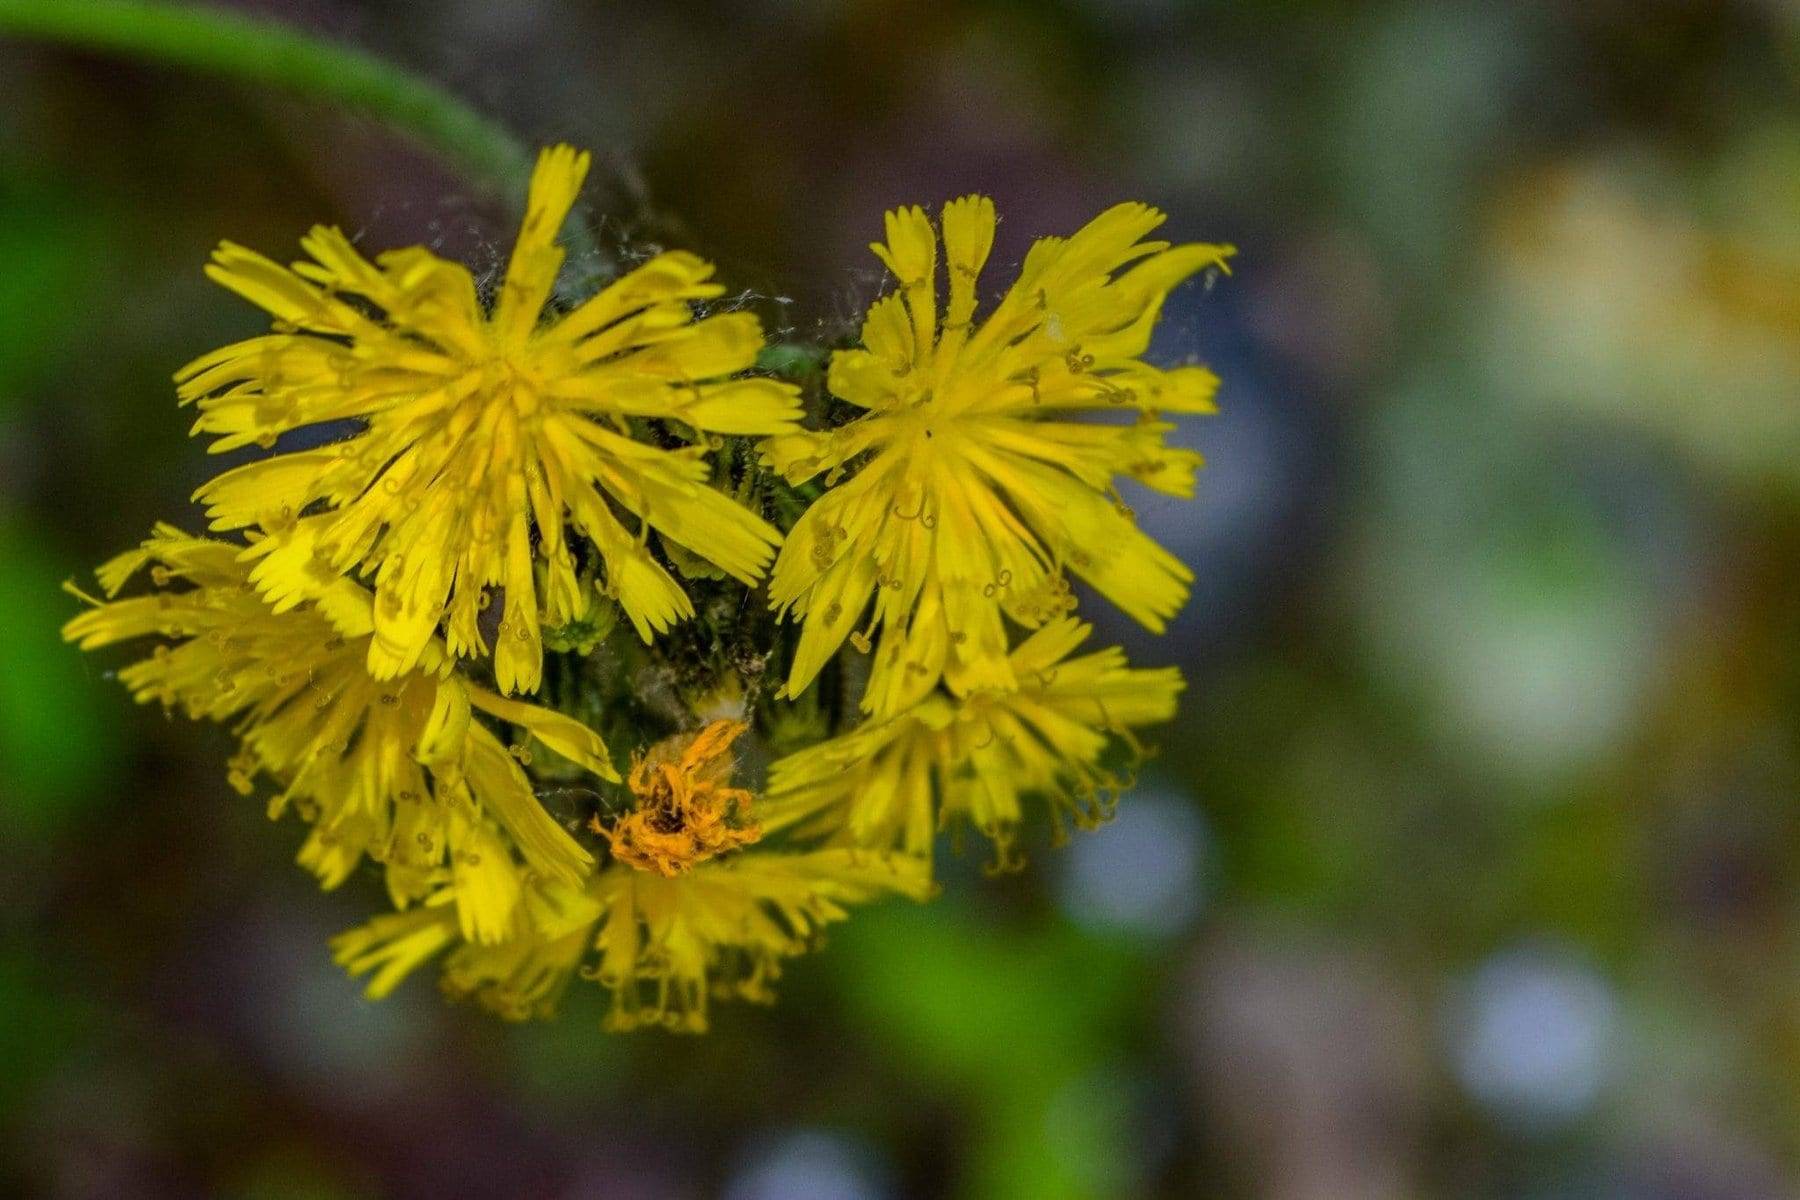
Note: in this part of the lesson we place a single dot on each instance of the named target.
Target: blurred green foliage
(58, 746)
(55, 249)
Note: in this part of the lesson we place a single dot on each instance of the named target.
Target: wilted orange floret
(686, 811)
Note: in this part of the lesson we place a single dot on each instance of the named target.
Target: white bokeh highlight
(1144, 873)
(1532, 1036)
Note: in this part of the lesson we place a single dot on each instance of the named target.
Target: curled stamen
(1106, 720)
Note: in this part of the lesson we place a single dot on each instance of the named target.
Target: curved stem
(244, 47)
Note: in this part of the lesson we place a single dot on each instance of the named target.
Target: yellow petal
(503, 790)
(563, 734)
(390, 948)
(744, 406)
(536, 258)
(968, 239)
(833, 607)
(446, 732)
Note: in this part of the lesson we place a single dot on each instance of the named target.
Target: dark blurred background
(1470, 867)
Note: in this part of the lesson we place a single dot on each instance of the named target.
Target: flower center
(507, 380)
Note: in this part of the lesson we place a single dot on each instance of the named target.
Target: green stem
(242, 47)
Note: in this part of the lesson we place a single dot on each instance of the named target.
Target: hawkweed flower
(395, 770)
(675, 918)
(501, 476)
(973, 486)
(1062, 737)
(661, 946)
(484, 440)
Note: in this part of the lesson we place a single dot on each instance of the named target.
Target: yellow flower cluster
(973, 491)
(483, 440)
(476, 477)
(979, 757)
(398, 771)
(660, 945)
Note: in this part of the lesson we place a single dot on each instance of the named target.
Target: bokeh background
(1472, 867)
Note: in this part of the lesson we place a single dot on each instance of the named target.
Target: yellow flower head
(483, 437)
(686, 812)
(398, 770)
(892, 784)
(976, 488)
(661, 945)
